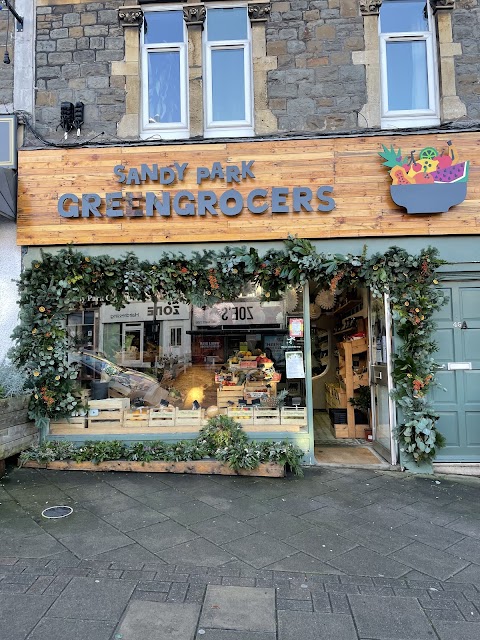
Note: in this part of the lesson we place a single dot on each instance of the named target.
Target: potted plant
(363, 402)
(16, 431)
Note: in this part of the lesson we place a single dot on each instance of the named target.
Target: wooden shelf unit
(346, 351)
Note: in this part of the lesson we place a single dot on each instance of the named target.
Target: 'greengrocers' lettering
(118, 204)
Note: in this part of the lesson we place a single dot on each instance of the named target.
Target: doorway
(457, 398)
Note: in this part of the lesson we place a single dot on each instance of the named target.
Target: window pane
(227, 24)
(164, 26)
(399, 16)
(228, 84)
(164, 87)
(407, 75)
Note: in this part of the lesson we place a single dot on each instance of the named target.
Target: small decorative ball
(211, 412)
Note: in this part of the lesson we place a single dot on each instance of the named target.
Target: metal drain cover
(57, 512)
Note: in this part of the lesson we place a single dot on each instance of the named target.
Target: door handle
(378, 375)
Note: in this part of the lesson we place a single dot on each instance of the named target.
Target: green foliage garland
(61, 282)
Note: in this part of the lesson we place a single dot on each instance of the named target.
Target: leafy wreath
(58, 283)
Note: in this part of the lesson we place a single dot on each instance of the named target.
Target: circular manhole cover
(57, 512)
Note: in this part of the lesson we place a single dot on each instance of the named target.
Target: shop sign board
(243, 191)
(432, 182)
(239, 314)
(143, 312)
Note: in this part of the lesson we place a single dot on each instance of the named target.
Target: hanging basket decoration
(325, 299)
(291, 300)
(315, 311)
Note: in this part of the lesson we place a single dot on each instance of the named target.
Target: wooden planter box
(204, 467)
(17, 432)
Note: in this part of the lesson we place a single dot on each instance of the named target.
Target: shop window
(164, 64)
(409, 75)
(228, 72)
(176, 337)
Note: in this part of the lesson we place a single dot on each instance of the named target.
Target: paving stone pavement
(340, 554)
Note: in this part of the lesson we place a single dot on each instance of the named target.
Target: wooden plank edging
(203, 467)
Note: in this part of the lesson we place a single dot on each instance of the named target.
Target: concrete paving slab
(191, 512)
(61, 629)
(279, 525)
(385, 618)
(430, 534)
(20, 613)
(198, 552)
(158, 621)
(363, 562)
(158, 537)
(88, 544)
(239, 609)
(134, 518)
(295, 505)
(378, 539)
(133, 556)
(433, 562)
(470, 574)
(259, 550)
(222, 634)
(448, 630)
(37, 546)
(468, 525)
(293, 625)
(304, 563)
(321, 543)
(97, 599)
(118, 502)
(245, 508)
(222, 529)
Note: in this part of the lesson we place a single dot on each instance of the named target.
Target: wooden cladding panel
(361, 189)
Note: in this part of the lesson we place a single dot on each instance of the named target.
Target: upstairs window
(164, 74)
(409, 77)
(228, 72)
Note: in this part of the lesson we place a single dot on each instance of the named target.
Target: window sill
(229, 133)
(156, 134)
(411, 122)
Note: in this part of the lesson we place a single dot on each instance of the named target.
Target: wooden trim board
(202, 467)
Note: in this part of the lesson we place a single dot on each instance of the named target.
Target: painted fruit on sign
(430, 183)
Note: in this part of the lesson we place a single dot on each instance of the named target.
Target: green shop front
(293, 285)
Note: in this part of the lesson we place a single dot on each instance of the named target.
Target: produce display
(430, 167)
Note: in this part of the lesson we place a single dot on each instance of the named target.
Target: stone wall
(316, 86)
(466, 29)
(76, 44)
(6, 70)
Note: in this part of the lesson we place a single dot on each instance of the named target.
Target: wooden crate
(229, 394)
(110, 413)
(161, 418)
(188, 417)
(335, 395)
(266, 416)
(79, 422)
(244, 415)
(136, 418)
(292, 415)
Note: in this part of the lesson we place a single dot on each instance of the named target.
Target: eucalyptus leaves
(60, 282)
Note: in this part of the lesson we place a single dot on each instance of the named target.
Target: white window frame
(170, 130)
(177, 332)
(395, 119)
(229, 128)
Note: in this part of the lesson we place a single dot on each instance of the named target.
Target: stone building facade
(316, 64)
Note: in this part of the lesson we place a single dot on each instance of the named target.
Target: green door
(458, 339)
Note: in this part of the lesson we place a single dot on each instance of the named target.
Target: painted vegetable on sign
(432, 182)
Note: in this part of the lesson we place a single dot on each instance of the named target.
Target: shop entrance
(348, 335)
(457, 399)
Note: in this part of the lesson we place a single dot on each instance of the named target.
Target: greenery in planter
(222, 439)
(363, 399)
(63, 281)
(12, 380)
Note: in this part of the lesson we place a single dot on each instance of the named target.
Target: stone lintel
(130, 16)
(259, 11)
(370, 7)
